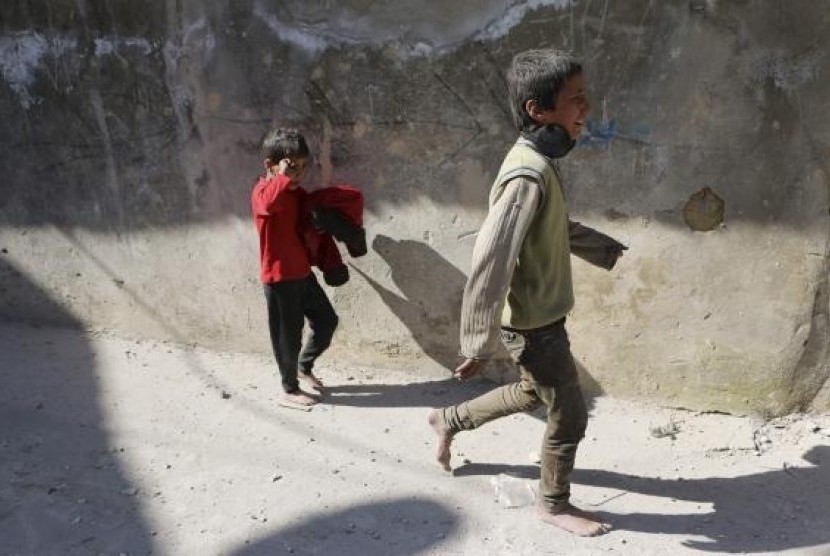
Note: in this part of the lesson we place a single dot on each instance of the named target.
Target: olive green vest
(541, 291)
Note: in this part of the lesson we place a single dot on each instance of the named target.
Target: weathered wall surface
(129, 141)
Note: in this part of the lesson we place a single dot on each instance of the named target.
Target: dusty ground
(110, 446)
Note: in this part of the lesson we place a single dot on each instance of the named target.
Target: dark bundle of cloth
(329, 214)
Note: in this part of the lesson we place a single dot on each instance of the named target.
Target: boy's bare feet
(444, 439)
(312, 381)
(299, 397)
(574, 520)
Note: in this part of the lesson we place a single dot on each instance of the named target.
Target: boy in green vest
(520, 290)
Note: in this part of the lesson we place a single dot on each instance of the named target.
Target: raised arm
(266, 196)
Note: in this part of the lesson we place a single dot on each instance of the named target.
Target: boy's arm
(593, 246)
(494, 259)
(266, 197)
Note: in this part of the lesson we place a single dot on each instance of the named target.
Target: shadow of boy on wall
(431, 289)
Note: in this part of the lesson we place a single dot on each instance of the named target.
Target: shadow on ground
(797, 499)
(436, 393)
(399, 527)
(493, 469)
(62, 487)
(743, 508)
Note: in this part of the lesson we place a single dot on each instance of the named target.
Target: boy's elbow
(258, 209)
(263, 205)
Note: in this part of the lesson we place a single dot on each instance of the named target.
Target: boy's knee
(569, 425)
(326, 327)
(578, 417)
(581, 424)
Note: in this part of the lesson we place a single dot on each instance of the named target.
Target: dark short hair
(284, 143)
(539, 75)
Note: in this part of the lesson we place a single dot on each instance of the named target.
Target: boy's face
(296, 168)
(572, 107)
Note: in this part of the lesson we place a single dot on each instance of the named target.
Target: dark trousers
(290, 302)
(548, 376)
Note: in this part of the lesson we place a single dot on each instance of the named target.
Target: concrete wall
(129, 139)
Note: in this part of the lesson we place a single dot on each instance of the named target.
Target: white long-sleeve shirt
(495, 254)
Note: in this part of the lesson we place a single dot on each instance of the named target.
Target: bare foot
(299, 398)
(576, 521)
(444, 439)
(313, 382)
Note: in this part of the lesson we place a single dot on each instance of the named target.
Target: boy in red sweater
(291, 289)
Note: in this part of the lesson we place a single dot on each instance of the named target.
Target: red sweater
(276, 210)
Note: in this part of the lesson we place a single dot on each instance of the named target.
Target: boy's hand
(287, 168)
(469, 368)
(615, 253)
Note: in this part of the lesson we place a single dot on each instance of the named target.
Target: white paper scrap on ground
(513, 492)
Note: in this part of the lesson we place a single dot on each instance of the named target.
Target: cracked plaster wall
(129, 144)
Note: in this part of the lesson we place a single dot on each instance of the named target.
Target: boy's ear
(532, 108)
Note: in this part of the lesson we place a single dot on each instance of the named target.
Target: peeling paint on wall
(107, 46)
(297, 36)
(788, 74)
(20, 57)
(514, 15)
(197, 42)
(704, 210)
(442, 31)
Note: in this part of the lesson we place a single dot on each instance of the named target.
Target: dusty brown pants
(547, 375)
